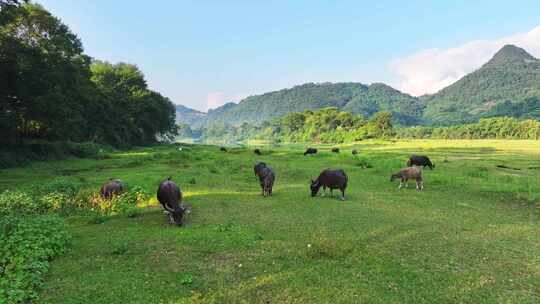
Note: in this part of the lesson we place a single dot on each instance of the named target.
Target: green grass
(473, 235)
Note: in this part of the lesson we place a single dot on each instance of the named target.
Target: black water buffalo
(266, 178)
(333, 179)
(257, 151)
(223, 149)
(310, 151)
(420, 160)
(111, 187)
(335, 150)
(258, 167)
(354, 152)
(170, 196)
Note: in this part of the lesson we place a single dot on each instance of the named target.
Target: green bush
(64, 185)
(124, 203)
(27, 243)
(24, 152)
(18, 202)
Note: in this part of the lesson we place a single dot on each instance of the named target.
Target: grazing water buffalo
(111, 187)
(257, 151)
(223, 149)
(354, 152)
(420, 160)
(266, 178)
(333, 179)
(409, 173)
(335, 150)
(310, 151)
(258, 167)
(170, 196)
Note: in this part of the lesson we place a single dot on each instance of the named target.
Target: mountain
(509, 79)
(508, 84)
(352, 97)
(189, 116)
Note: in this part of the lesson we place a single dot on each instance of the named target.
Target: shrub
(119, 204)
(23, 152)
(56, 201)
(64, 185)
(18, 202)
(27, 243)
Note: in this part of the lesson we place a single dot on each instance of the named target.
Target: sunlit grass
(471, 237)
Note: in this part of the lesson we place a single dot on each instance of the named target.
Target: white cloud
(216, 99)
(430, 70)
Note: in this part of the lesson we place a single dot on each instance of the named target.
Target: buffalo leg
(343, 194)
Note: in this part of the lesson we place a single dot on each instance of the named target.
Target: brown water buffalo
(310, 151)
(409, 173)
(333, 179)
(111, 187)
(266, 178)
(420, 160)
(335, 150)
(257, 151)
(170, 196)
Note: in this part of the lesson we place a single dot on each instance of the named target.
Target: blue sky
(204, 53)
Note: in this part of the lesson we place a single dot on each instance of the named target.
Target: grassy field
(472, 236)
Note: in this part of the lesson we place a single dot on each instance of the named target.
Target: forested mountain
(355, 98)
(189, 116)
(508, 82)
(507, 85)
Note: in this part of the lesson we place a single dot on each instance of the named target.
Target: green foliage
(50, 90)
(129, 113)
(498, 127)
(125, 203)
(27, 243)
(328, 125)
(461, 231)
(23, 152)
(18, 202)
(63, 185)
(186, 279)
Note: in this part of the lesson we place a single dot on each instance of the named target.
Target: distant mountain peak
(510, 53)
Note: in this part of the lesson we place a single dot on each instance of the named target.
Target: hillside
(356, 98)
(189, 116)
(508, 84)
(512, 75)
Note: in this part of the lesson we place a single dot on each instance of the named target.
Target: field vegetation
(471, 236)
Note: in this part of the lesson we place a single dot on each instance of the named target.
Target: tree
(44, 75)
(380, 125)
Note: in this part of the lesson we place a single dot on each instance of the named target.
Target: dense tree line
(327, 125)
(50, 90)
(497, 127)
